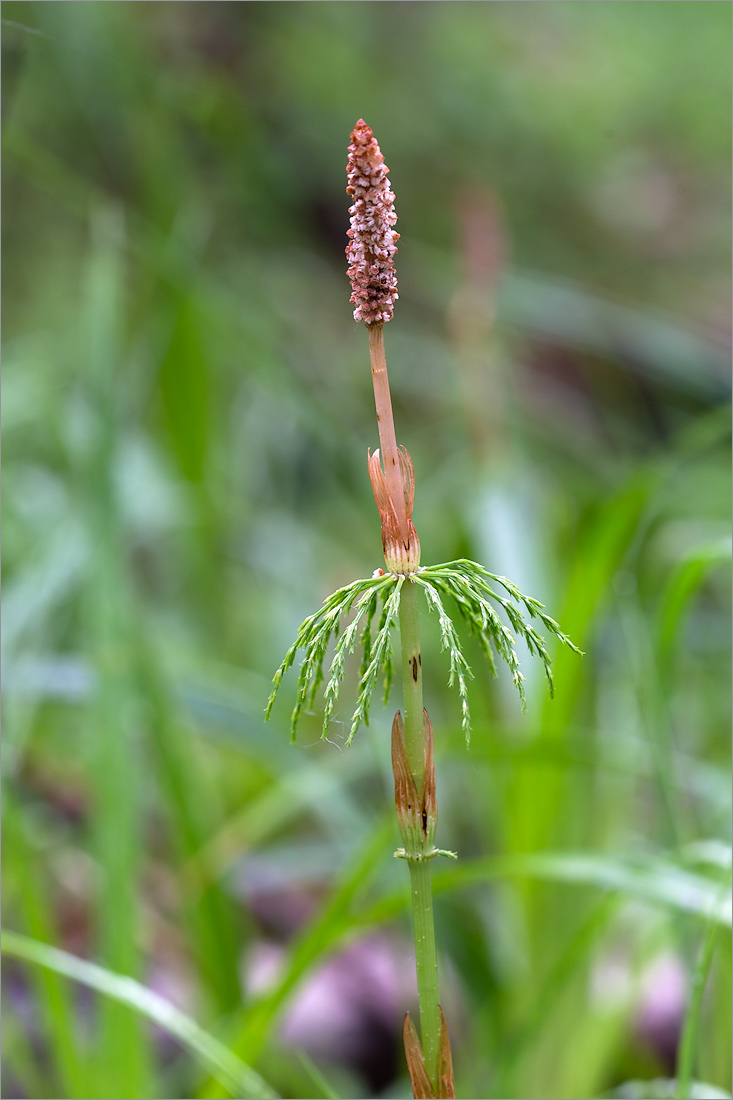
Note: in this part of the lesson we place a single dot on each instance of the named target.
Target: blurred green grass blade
(572, 959)
(688, 1041)
(548, 799)
(33, 596)
(653, 880)
(208, 909)
(208, 1050)
(125, 1069)
(665, 1088)
(317, 938)
(685, 581)
(317, 1077)
(650, 879)
(600, 552)
(654, 344)
(20, 863)
(709, 852)
(184, 386)
(643, 673)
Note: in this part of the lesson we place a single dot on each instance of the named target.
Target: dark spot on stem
(419, 659)
(425, 822)
(414, 669)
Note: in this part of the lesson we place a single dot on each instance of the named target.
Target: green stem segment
(426, 962)
(412, 680)
(426, 959)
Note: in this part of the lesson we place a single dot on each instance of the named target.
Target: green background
(186, 413)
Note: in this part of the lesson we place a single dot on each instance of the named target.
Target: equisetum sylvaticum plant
(492, 608)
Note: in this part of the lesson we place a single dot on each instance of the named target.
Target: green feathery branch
(466, 583)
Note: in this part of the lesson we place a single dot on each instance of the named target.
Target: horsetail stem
(374, 290)
(471, 589)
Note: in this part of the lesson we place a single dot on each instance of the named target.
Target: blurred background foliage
(187, 408)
